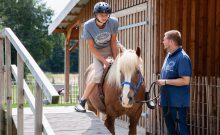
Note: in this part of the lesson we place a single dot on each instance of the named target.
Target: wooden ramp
(65, 121)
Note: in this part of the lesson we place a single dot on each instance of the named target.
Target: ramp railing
(43, 85)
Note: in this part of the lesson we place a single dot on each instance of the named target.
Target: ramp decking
(65, 121)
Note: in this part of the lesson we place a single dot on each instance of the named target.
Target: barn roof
(68, 17)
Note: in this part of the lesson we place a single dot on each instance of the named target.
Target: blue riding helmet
(102, 7)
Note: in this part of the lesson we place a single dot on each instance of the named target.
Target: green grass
(58, 78)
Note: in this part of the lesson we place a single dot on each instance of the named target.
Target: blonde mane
(125, 63)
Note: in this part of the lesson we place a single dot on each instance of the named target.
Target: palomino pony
(123, 86)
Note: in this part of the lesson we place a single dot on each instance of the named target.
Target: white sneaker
(80, 108)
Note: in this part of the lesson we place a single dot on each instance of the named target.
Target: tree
(55, 63)
(29, 19)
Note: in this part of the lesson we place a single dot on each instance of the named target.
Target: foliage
(29, 19)
(55, 63)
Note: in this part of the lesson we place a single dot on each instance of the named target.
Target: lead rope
(154, 89)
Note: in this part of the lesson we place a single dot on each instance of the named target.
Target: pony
(120, 92)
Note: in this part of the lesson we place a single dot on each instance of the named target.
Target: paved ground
(65, 121)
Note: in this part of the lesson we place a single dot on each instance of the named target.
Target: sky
(56, 5)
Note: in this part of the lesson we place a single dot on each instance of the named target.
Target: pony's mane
(125, 63)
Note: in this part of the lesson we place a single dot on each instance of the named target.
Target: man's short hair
(174, 35)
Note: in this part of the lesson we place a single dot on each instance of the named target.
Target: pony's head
(126, 68)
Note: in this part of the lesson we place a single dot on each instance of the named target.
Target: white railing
(42, 85)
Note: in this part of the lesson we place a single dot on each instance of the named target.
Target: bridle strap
(134, 88)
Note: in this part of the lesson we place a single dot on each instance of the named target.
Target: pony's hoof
(79, 108)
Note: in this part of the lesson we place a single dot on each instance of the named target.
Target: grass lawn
(54, 79)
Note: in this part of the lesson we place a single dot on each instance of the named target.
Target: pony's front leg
(110, 124)
(133, 122)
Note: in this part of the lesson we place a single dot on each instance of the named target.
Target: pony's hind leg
(110, 124)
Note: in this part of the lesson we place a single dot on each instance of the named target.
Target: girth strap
(100, 85)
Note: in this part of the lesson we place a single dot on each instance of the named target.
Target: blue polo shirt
(176, 65)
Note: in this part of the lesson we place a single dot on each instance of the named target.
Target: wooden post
(218, 106)
(67, 64)
(197, 119)
(20, 91)
(8, 85)
(38, 110)
(203, 106)
(67, 69)
(1, 84)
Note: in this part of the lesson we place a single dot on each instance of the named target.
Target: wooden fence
(203, 115)
(73, 91)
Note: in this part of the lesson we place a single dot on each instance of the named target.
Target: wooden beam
(31, 101)
(73, 14)
(75, 34)
(8, 86)
(76, 45)
(72, 25)
(67, 69)
(20, 91)
(67, 64)
(70, 31)
(59, 30)
(1, 84)
(67, 21)
(38, 110)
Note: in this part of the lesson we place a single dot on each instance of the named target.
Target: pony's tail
(91, 66)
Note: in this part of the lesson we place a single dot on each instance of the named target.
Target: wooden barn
(143, 23)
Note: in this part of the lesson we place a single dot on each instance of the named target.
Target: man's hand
(161, 82)
(106, 64)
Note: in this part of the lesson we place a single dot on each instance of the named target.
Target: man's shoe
(81, 106)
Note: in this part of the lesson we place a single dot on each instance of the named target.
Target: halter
(134, 88)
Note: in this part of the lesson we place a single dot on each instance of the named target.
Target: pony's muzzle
(126, 102)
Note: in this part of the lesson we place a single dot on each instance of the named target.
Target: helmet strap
(98, 20)
(103, 24)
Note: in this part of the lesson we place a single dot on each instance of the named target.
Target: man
(174, 81)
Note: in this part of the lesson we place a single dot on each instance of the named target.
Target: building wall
(134, 30)
(199, 23)
(197, 20)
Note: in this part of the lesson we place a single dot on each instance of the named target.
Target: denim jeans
(175, 119)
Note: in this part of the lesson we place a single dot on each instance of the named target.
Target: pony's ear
(138, 51)
(121, 48)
